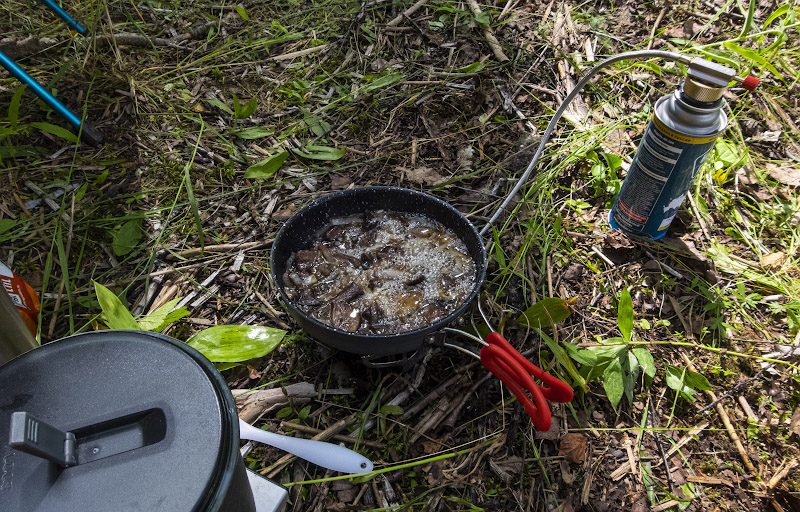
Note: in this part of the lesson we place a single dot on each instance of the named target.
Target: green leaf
(159, 319)
(754, 56)
(697, 381)
(389, 410)
(317, 125)
(564, 359)
(220, 105)
(726, 152)
(115, 313)
(242, 13)
(221, 367)
(625, 315)
(6, 224)
(613, 161)
(384, 81)
(127, 237)
(244, 111)
(613, 384)
(58, 131)
(607, 353)
(780, 11)
(255, 132)
(304, 412)
(81, 192)
(313, 152)
(475, 67)
(645, 361)
(686, 382)
(545, 313)
(235, 343)
(582, 356)
(268, 167)
(13, 106)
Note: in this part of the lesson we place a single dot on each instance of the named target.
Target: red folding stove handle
(516, 372)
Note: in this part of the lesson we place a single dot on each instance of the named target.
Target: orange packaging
(22, 295)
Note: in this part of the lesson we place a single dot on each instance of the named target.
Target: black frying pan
(302, 229)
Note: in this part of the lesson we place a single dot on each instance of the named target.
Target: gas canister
(675, 145)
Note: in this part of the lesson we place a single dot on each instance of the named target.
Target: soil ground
(195, 98)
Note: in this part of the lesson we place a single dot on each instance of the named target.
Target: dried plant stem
(494, 44)
(726, 420)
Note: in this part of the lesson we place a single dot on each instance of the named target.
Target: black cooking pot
(300, 231)
(119, 420)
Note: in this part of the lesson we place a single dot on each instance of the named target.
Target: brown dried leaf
(785, 173)
(794, 424)
(773, 259)
(424, 176)
(573, 448)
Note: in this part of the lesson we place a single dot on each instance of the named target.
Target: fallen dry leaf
(424, 176)
(794, 424)
(573, 448)
(773, 260)
(785, 173)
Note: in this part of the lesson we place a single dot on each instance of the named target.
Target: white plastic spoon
(327, 455)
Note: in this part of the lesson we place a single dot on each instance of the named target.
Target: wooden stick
(494, 44)
(408, 12)
(190, 253)
(726, 420)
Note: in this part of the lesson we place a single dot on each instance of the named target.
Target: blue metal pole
(61, 13)
(88, 132)
(40, 91)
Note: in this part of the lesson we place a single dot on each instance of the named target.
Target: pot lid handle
(35, 437)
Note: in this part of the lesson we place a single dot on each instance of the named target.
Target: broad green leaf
(582, 356)
(613, 161)
(221, 367)
(780, 11)
(13, 106)
(390, 410)
(58, 131)
(235, 343)
(6, 224)
(268, 167)
(697, 381)
(755, 57)
(625, 314)
(726, 152)
(313, 152)
(475, 67)
(545, 313)
(613, 383)
(244, 111)
(220, 105)
(255, 132)
(645, 361)
(115, 313)
(317, 125)
(608, 352)
(564, 359)
(380, 83)
(242, 13)
(682, 382)
(81, 192)
(159, 319)
(127, 237)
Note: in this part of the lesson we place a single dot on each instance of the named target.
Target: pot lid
(146, 421)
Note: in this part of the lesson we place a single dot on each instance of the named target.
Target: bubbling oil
(381, 273)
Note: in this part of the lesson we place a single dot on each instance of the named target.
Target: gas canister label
(659, 177)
